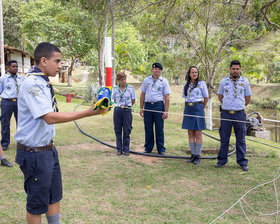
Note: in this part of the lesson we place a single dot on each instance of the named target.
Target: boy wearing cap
(154, 97)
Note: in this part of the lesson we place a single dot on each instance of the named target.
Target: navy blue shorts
(42, 179)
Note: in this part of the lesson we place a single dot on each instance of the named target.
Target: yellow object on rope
(104, 100)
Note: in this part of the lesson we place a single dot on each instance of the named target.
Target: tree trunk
(70, 72)
(209, 122)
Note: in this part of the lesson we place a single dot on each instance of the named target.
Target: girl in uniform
(196, 96)
(124, 97)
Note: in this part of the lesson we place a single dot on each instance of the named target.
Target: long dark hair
(188, 78)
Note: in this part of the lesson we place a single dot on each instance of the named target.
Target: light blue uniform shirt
(34, 101)
(155, 89)
(123, 98)
(8, 88)
(197, 94)
(234, 93)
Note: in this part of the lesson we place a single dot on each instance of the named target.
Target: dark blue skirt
(194, 123)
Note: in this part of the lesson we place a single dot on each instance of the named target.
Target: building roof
(12, 49)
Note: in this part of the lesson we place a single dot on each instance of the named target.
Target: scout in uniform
(124, 97)
(9, 87)
(235, 94)
(36, 153)
(196, 97)
(155, 92)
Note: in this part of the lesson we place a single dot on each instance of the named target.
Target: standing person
(36, 153)
(124, 96)
(155, 92)
(196, 97)
(4, 161)
(235, 94)
(9, 87)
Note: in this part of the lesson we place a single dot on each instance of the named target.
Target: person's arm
(247, 100)
(166, 106)
(220, 97)
(142, 101)
(205, 101)
(62, 117)
(132, 102)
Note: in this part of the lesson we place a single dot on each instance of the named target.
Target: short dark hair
(46, 50)
(11, 62)
(235, 62)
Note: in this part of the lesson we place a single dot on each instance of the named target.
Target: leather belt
(12, 99)
(154, 102)
(124, 107)
(194, 103)
(35, 149)
(231, 111)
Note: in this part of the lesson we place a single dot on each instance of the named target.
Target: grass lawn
(100, 187)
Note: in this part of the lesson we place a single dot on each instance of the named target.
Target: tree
(12, 23)
(68, 27)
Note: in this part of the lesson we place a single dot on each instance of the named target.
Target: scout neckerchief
(36, 71)
(15, 78)
(235, 86)
(122, 93)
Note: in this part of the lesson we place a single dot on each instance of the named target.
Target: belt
(35, 149)
(154, 102)
(194, 103)
(12, 99)
(124, 107)
(231, 111)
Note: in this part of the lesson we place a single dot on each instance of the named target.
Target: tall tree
(67, 27)
(12, 23)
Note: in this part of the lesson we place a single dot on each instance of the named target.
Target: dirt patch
(151, 161)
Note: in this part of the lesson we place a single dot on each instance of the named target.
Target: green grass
(100, 187)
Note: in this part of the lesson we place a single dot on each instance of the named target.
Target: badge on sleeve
(34, 91)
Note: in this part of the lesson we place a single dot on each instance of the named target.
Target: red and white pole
(108, 62)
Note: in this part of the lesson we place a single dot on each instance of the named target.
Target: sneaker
(5, 148)
(219, 165)
(162, 153)
(5, 162)
(126, 153)
(119, 153)
(244, 168)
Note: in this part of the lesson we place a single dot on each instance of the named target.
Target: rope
(257, 212)
(197, 116)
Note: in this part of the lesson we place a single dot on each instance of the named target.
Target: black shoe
(162, 153)
(191, 159)
(244, 168)
(119, 153)
(219, 165)
(5, 148)
(5, 162)
(196, 160)
(126, 153)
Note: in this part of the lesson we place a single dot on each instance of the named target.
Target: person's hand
(141, 112)
(165, 115)
(101, 111)
(97, 112)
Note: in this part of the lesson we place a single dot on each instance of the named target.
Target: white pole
(2, 41)
(108, 62)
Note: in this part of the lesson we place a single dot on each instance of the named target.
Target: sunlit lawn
(100, 187)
